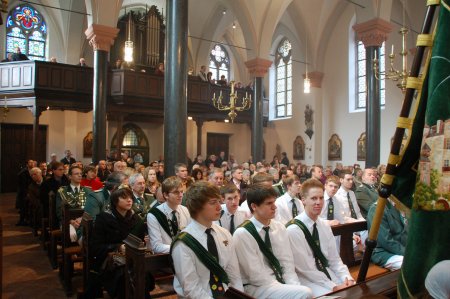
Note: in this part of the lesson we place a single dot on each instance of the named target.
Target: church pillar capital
(373, 32)
(258, 67)
(101, 37)
(315, 78)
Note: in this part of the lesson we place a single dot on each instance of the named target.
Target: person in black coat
(68, 158)
(110, 229)
(57, 180)
(18, 55)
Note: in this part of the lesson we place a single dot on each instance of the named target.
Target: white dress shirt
(341, 195)
(338, 209)
(284, 208)
(257, 275)
(305, 264)
(159, 240)
(191, 275)
(244, 207)
(239, 217)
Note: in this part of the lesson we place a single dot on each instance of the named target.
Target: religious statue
(309, 121)
(361, 149)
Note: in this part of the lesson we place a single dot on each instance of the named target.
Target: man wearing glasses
(166, 220)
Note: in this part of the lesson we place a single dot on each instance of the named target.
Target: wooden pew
(87, 224)
(138, 262)
(385, 285)
(71, 251)
(54, 232)
(346, 249)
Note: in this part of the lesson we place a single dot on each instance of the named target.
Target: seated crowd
(264, 228)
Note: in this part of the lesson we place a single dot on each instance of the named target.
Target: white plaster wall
(337, 95)
(66, 129)
(240, 138)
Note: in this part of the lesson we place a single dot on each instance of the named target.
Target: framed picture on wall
(87, 145)
(361, 147)
(335, 148)
(299, 148)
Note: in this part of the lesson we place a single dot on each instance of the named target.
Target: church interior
(302, 70)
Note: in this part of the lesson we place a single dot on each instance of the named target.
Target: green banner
(426, 164)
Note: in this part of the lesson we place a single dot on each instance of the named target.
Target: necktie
(216, 285)
(316, 239)
(267, 237)
(232, 228)
(350, 205)
(174, 222)
(330, 215)
(76, 191)
(294, 208)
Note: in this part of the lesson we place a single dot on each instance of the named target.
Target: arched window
(134, 142)
(361, 88)
(283, 80)
(219, 63)
(26, 29)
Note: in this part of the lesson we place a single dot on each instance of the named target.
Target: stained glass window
(26, 29)
(219, 63)
(361, 87)
(283, 80)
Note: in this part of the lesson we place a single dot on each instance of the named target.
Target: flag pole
(385, 189)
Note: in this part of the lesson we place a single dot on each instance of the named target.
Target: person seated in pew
(332, 209)
(73, 195)
(258, 178)
(142, 202)
(350, 208)
(232, 215)
(316, 259)
(90, 178)
(288, 205)
(110, 229)
(166, 220)
(265, 259)
(99, 201)
(392, 236)
(203, 253)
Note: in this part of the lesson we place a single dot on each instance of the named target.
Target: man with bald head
(366, 193)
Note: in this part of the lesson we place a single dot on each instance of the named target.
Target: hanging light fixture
(129, 46)
(306, 81)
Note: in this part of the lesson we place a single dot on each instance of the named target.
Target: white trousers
(277, 290)
(394, 262)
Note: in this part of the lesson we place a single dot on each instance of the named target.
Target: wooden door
(217, 142)
(16, 147)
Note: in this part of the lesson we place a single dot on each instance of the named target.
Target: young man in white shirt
(317, 262)
(289, 205)
(332, 211)
(166, 220)
(203, 254)
(265, 260)
(231, 216)
(350, 208)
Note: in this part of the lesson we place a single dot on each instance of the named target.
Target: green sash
(163, 221)
(321, 260)
(203, 255)
(274, 263)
